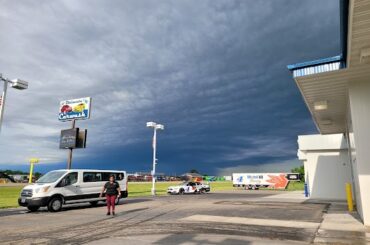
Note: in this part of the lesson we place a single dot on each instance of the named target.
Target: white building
(336, 90)
(326, 164)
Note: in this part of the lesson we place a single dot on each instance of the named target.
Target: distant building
(192, 176)
(4, 178)
(21, 177)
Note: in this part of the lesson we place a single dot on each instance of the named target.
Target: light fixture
(19, 84)
(365, 56)
(320, 105)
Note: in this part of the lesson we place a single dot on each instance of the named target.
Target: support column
(359, 97)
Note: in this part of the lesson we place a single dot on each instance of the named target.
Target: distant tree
(194, 171)
(299, 170)
(38, 175)
(12, 172)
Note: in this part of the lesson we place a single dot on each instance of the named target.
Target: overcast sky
(213, 72)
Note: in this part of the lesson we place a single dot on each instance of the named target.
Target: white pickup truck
(189, 187)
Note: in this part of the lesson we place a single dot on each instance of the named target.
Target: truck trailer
(254, 181)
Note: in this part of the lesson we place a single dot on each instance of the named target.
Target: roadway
(233, 217)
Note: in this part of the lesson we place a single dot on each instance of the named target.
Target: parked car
(188, 188)
(60, 187)
(205, 187)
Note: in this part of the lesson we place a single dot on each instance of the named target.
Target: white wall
(322, 142)
(359, 98)
(327, 173)
(327, 166)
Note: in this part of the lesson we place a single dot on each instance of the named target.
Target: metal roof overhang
(331, 87)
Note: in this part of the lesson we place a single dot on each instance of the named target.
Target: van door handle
(77, 186)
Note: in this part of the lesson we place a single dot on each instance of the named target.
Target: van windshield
(51, 177)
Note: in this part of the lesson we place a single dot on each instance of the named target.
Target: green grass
(140, 189)
(9, 195)
(144, 188)
(295, 186)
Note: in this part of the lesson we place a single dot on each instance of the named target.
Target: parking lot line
(252, 221)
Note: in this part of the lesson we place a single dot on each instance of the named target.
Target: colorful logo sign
(278, 181)
(75, 109)
(240, 179)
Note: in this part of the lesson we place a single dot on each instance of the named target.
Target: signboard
(273, 180)
(81, 139)
(75, 109)
(68, 138)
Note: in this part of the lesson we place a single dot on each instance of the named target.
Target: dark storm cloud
(214, 72)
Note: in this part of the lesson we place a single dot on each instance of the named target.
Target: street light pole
(3, 97)
(154, 160)
(17, 84)
(155, 127)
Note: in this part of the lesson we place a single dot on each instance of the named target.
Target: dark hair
(112, 176)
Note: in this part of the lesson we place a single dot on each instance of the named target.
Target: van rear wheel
(33, 208)
(94, 203)
(55, 204)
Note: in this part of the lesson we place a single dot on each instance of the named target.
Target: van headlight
(42, 189)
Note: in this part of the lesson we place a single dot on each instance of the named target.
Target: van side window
(117, 176)
(105, 176)
(92, 177)
(120, 176)
(70, 179)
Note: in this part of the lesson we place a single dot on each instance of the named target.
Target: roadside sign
(68, 138)
(81, 139)
(75, 109)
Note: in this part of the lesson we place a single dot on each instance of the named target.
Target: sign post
(32, 162)
(72, 110)
(70, 150)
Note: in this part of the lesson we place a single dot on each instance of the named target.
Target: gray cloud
(212, 71)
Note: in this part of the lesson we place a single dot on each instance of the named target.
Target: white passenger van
(69, 186)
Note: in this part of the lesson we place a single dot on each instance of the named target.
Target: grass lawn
(9, 195)
(295, 186)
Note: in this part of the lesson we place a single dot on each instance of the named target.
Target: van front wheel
(55, 204)
(33, 208)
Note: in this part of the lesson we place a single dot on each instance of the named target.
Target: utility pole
(70, 150)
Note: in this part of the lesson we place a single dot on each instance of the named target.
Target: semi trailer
(254, 181)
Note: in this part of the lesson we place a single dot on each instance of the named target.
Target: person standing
(111, 190)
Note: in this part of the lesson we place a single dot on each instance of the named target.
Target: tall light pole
(156, 127)
(17, 84)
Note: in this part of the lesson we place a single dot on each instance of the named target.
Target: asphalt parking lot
(235, 217)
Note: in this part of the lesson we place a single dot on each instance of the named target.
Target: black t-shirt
(111, 188)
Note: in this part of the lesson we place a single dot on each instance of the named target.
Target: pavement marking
(252, 221)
